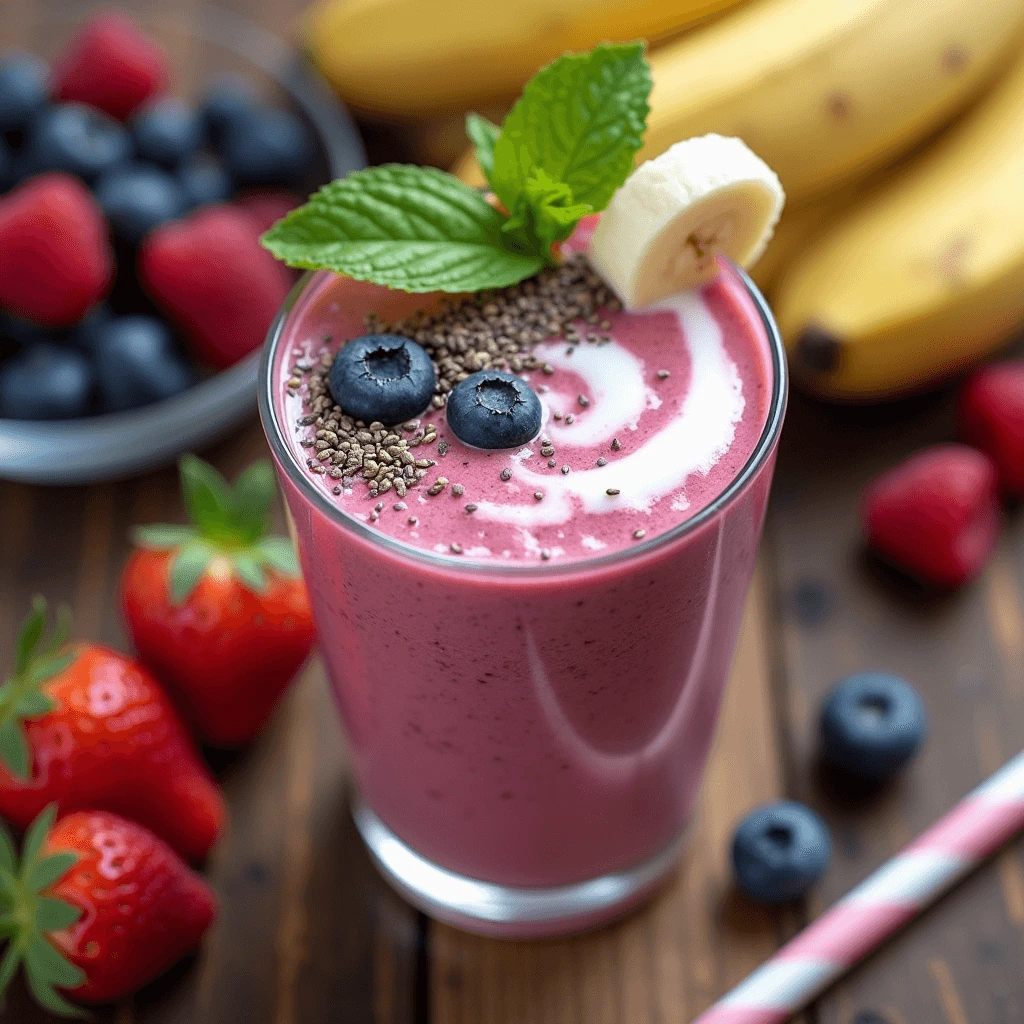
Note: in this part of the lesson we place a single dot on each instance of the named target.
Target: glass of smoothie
(528, 646)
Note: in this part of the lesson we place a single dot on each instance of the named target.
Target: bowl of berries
(141, 158)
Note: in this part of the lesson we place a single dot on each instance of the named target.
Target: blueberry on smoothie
(872, 724)
(78, 139)
(138, 363)
(382, 377)
(167, 131)
(226, 99)
(779, 851)
(23, 90)
(137, 198)
(491, 409)
(45, 382)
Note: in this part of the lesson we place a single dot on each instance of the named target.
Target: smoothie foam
(672, 406)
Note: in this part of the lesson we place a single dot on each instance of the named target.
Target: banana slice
(674, 214)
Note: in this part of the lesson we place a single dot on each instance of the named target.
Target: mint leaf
(545, 213)
(581, 120)
(415, 229)
(483, 134)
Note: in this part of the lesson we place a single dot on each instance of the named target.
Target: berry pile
(130, 223)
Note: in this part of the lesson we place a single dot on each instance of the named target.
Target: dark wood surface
(308, 934)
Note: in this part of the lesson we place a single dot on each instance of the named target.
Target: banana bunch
(410, 58)
(925, 275)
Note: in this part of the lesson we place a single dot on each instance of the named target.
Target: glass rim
(298, 475)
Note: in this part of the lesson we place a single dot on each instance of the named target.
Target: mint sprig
(566, 146)
(226, 522)
(27, 914)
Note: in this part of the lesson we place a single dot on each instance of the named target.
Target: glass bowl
(202, 42)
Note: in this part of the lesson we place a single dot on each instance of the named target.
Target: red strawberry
(936, 515)
(88, 727)
(98, 907)
(55, 256)
(218, 608)
(111, 65)
(267, 208)
(991, 416)
(210, 275)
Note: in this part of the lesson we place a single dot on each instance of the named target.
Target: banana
(673, 215)
(404, 58)
(826, 90)
(927, 274)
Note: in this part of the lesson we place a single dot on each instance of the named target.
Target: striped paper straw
(897, 892)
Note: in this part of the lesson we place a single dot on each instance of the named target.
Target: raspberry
(210, 275)
(110, 64)
(55, 256)
(991, 415)
(936, 515)
(267, 208)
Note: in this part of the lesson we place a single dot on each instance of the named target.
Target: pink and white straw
(897, 892)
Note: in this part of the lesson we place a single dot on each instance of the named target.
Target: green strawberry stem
(229, 523)
(27, 914)
(37, 658)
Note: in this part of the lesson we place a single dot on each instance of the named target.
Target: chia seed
(506, 474)
(612, 491)
(602, 461)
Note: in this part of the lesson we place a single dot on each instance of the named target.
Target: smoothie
(529, 646)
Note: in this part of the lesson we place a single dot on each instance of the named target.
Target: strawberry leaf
(251, 499)
(36, 836)
(8, 854)
(162, 536)
(43, 992)
(53, 915)
(187, 570)
(14, 749)
(50, 964)
(279, 554)
(250, 572)
(35, 704)
(30, 635)
(45, 872)
(9, 966)
(207, 498)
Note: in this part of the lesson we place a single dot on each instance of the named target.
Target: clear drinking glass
(527, 739)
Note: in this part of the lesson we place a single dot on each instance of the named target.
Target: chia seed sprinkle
(639, 534)
(471, 507)
(412, 520)
(602, 461)
(616, 444)
(662, 374)
(335, 490)
(570, 419)
(583, 401)
(552, 463)
(557, 415)
(545, 553)
(399, 506)
(456, 548)
(565, 471)
(442, 448)
(539, 495)
(506, 474)
(612, 491)
(458, 490)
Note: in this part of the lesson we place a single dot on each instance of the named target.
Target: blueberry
(137, 198)
(779, 851)
(382, 377)
(227, 98)
(45, 382)
(7, 171)
(86, 332)
(25, 333)
(23, 90)
(265, 147)
(167, 132)
(78, 139)
(137, 363)
(204, 180)
(871, 725)
(491, 409)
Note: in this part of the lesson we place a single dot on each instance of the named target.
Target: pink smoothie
(537, 709)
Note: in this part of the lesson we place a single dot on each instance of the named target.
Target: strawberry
(87, 727)
(218, 608)
(55, 255)
(210, 275)
(98, 907)
(936, 515)
(991, 415)
(110, 64)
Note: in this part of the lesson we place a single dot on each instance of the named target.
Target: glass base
(507, 911)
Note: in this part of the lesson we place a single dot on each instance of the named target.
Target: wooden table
(308, 934)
